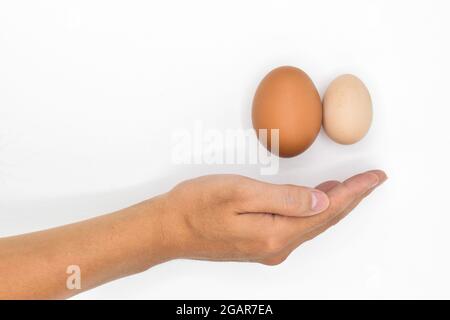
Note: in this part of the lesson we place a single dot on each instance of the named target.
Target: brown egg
(286, 99)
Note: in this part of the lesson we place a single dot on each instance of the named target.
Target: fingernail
(374, 180)
(319, 201)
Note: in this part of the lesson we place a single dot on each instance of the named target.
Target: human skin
(217, 217)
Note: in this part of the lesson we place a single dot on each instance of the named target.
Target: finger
(301, 238)
(382, 177)
(327, 185)
(320, 229)
(285, 200)
(284, 225)
(342, 195)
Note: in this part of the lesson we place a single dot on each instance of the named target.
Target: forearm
(105, 248)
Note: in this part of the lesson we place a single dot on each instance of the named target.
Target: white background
(91, 92)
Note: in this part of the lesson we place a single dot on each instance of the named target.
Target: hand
(222, 217)
(230, 217)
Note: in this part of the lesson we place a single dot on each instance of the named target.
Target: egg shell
(347, 110)
(286, 99)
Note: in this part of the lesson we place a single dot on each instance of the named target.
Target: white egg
(347, 110)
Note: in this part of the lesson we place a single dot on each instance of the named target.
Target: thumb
(286, 200)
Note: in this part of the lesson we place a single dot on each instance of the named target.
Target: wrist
(168, 236)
